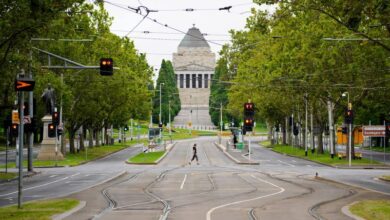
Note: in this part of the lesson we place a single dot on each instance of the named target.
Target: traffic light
(249, 112)
(344, 130)
(348, 117)
(24, 84)
(160, 125)
(14, 130)
(55, 118)
(106, 66)
(51, 129)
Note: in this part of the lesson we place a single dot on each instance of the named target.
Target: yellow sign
(190, 124)
(15, 117)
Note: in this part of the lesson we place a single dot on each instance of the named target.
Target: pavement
(279, 187)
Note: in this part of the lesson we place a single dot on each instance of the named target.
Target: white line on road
(33, 187)
(182, 183)
(208, 216)
(293, 161)
(52, 176)
(308, 165)
(286, 163)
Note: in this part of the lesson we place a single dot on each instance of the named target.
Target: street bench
(341, 155)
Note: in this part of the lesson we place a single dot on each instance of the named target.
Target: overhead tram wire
(157, 22)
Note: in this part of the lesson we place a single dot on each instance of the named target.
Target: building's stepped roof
(194, 38)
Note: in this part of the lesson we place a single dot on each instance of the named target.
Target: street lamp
(159, 116)
(349, 106)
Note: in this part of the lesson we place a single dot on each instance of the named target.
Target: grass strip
(265, 143)
(7, 176)
(40, 210)
(372, 209)
(386, 177)
(84, 156)
(147, 158)
(321, 158)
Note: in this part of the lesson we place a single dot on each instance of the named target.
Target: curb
(29, 174)
(337, 167)
(345, 210)
(383, 179)
(169, 148)
(221, 147)
(70, 212)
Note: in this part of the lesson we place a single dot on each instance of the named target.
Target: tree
(169, 94)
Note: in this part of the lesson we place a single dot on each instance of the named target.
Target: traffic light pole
(20, 150)
(249, 145)
(30, 136)
(350, 144)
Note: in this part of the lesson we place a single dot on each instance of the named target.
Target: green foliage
(89, 100)
(40, 210)
(150, 157)
(372, 209)
(169, 94)
(281, 59)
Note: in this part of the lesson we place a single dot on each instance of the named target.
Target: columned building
(194, 65)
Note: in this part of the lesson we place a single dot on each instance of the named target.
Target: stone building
(194, 65)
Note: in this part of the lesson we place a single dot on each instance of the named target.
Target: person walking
(194, 156)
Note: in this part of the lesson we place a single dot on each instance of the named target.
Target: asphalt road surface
(280, 187)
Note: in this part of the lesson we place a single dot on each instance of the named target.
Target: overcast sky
(158, 41)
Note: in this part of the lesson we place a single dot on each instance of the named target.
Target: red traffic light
(106, 66)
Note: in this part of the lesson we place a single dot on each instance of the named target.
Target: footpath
(237, 156)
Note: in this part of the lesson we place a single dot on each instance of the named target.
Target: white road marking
(182, 183)
(308, 165)
(286, 163)
(208, 216)
(52, 176)
(34, 187)
(80, 181)
(293, 161)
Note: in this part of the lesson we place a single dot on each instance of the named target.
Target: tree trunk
(72, 149)
(90, 137)
(97, 137)
(82, 146)
(284, 130)
(320, 147)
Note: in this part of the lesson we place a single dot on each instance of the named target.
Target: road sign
(374, 131)
(24, 84)
(15, 117)
(27, 119)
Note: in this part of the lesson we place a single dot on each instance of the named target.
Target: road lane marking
(308, 165)
(208, 216)
(293, 161)
(182, 183)
(34, 187)
(52, 176)
(287, 163)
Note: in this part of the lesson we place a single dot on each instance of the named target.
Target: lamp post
(159, 116)
(349, 130)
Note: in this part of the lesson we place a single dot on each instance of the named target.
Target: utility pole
(312, 131)
(331, 127)
(21, 139)
(306, 131)
(30, 136)
(220, 136)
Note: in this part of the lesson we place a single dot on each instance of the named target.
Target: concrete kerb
(168, 149)
(383, 179)
(26, 175)
(223, 149)
(69, 212)
(337, 167)
(345, 210)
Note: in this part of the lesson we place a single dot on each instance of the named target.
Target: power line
(159, 23)
(170, 39)
(169, 33)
